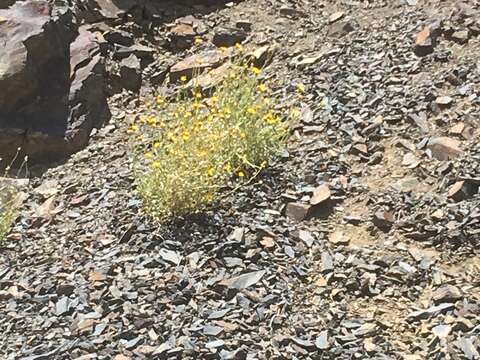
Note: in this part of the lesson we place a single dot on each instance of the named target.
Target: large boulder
(110, 10)
(46, 102)
(6, 4)
(88, 100)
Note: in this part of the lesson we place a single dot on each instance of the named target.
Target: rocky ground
(360, 242)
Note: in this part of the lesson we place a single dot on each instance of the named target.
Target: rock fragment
(444, 148)
(446, 293)
(462, 190)
(228, 36)
(196, 64)
(383, 219)
(426, 39)
(297, 211)
(320, 195)
(336, 16)
(461, 36)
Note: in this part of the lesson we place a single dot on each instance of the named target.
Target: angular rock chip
(320, 195)
(463, 190)
(441, 331)
(336, 16)
(444, 148)
(245, 280)
(468, 348)
(446, 293)
(322, 340)
(338, 238)
(426, 39)
(297, 211)
(170, 256)
(196, 64)
(228, 36)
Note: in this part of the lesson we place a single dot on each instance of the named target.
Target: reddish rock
(34, 77)
(196, 64)
(52, 93)
(297, 211)
(426, 39)
(446, 293)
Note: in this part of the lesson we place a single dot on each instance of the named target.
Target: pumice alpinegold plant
(193, 146)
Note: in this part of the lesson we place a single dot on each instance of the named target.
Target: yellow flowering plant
(8, 210)
(10, 196)
(196, 145)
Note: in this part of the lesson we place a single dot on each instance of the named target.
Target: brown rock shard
(463, 190)
(446, 293)
(320, 195)
(196, 64)
(297, 211)
(444, 148)
(426, 39)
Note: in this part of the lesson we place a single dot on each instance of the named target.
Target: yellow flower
(269, 119)
(198, 41)
(156, 164)
(264, 163)
(227, 167)
(239, 46)
(152, 121)
(183, 78)
(209, 197)
(148, 155)
(185, 136)
(301, 88)
(251, 111)
(255, 70)
(156, 145)
(132, 129)
(262, 88)
(241, 174)
(211, 171)
(242, 135)
(223, 49)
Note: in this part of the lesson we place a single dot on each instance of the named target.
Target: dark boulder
(45, 106)
(109, 10)
(88, 100)
(228, 36)
(131, 73)
(5, 4)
